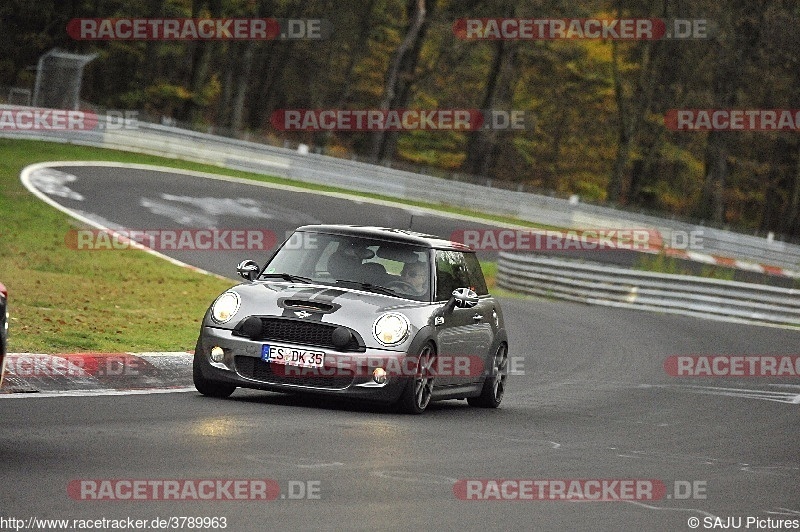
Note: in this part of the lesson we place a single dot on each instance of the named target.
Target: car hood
(352, 308)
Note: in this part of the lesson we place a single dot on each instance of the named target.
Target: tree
(400, 74)
(733, 49)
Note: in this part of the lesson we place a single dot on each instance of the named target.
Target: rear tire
(205, 386)
(417, 393)
(494, 386)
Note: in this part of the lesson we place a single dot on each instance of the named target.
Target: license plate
(281, 354)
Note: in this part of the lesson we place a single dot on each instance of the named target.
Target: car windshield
(349, 261)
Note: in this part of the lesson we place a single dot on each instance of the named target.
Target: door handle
(477, 317)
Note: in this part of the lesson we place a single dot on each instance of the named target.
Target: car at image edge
(3, 329)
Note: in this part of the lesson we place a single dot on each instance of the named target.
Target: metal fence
(675, 294)
(225, 152)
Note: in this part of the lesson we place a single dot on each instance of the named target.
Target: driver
(415, 274)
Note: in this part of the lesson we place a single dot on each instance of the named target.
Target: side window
(451, 273)
(476, 279)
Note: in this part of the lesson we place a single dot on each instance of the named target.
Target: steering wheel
(401, 286)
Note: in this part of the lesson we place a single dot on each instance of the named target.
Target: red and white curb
(728, 262)
(38, 375)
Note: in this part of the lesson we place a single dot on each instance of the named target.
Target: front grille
(300, 332)
(257, 369)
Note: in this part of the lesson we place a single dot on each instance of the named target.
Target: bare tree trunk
(793, 212)
(152, 68)
(742, 23)
(201, 57)
(395, 91)
(240, 91)
(614, 191)
(480, 143)
(630, 115)
(356, 52)
(716, 171)
(224, 106)
(273, 60)
(724, 85)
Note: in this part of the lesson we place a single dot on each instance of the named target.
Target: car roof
(404, 236)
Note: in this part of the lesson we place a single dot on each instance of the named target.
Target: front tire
(418, 391)
(207, 387)
(494, 386)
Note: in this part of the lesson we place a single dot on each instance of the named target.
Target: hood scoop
(307, 304)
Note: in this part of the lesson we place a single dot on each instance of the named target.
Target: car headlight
(391, 328)
(225, 307)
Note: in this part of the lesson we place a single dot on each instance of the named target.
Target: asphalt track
(590, 400)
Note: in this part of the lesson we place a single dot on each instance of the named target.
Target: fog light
(379, 375)
(217, 354)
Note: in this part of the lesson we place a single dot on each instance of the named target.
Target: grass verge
(63, 300)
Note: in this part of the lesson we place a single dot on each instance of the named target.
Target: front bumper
(345, 374)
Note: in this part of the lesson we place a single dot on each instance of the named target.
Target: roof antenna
(411, 221)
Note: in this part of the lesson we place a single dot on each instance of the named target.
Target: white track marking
(25, 177)
(54, 182)
(764, 395)
(784, 511)
(651, 507)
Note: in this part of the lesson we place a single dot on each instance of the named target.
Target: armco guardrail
(178, 143)
(677, 294)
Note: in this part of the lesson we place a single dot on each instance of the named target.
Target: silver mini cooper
(369, 313)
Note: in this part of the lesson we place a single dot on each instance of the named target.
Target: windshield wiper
(288, 277)
(369, 286)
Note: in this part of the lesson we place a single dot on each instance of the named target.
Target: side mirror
(464, 298)
(248, 269)
(460, 298)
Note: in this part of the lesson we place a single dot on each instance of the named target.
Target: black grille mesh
(302, 333)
